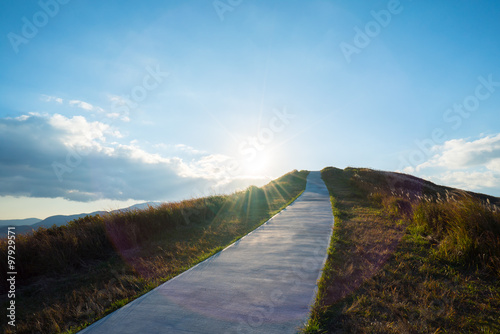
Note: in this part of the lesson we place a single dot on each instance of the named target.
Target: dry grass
(437, 264)
(467, 231)
(72, 275)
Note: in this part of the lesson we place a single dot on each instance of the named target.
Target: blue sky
(104, 104)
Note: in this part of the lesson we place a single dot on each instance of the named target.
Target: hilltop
(408, 256)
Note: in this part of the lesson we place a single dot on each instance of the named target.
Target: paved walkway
(263, 283)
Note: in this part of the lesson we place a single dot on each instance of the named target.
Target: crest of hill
(412, 187)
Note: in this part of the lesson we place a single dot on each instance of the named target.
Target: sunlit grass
(408, 256)
(69, 276)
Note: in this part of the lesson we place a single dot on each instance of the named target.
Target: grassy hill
(408, 256)
(72, 275)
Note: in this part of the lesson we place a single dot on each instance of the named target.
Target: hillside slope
(72, 275)
(408, 256)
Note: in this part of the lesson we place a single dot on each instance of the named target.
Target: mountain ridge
(58, 220)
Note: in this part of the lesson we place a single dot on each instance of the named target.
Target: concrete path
(263, 283)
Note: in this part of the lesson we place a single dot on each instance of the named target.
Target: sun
(257, 165)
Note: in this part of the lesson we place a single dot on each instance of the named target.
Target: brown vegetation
(72, 275)
(408, 256)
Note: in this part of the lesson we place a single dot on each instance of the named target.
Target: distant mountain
(47, 222)
(59, 220)
(141, 206)
(18, 222)
(29, 224)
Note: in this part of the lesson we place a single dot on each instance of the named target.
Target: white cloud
(494, 165)
(188, 149)
(464, 163)
(113, 115)
(78, 133)
(48, 98)
(120, 108)
(81, 104)
(70, 157)
(212, 166)
(22, 118)
(460, 153)
(117, 99)
(135, 152)
(179, 148)
(73, 103)
(469, 180)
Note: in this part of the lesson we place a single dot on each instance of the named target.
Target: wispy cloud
(179, 148)
(48, 98)
(81, 104)
(89, 107)
(73, 103)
